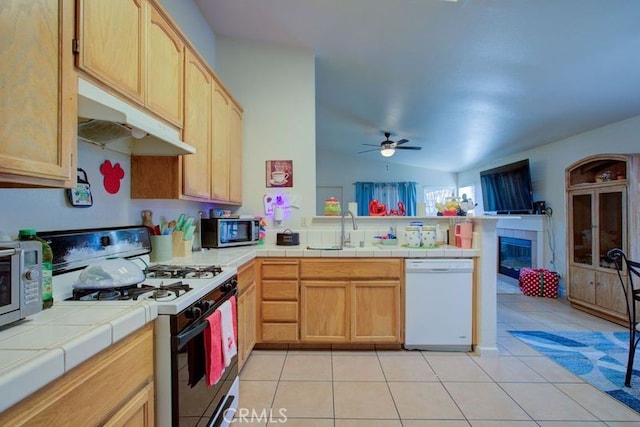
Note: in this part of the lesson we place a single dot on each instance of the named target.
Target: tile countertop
(236, 256)
(41, 348)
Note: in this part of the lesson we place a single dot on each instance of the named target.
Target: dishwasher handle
(439, 270)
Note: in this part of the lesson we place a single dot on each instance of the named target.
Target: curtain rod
(381, 182)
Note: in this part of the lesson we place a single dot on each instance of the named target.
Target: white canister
(412, 236)
(441, 234)
(428, 236)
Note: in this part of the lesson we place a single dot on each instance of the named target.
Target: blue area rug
(599, 358)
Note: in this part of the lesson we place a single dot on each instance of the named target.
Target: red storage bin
(538, 282)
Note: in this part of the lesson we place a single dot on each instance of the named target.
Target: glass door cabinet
(598, 219)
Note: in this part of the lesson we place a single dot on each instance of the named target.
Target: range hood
(105, 120)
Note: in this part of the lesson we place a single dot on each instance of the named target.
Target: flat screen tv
(507, 189)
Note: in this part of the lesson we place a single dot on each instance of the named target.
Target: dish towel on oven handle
(229, 330)
(214, 361)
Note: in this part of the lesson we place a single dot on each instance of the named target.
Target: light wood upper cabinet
(164, 68)
(197, 129)
(111, 45)
(38, 94)
(182, 89)
(132, 47)
(220, 144)
(226, 148)
(235, 155)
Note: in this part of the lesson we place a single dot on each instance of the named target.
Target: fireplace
(514, 254)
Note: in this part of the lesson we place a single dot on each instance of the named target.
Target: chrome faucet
(344, 241)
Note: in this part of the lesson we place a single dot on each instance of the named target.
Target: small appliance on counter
(287, 238)
(20, 280)
(226, 232)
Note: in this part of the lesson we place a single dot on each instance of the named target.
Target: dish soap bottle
(47, 265)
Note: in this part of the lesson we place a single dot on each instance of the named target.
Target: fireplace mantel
(529, 227)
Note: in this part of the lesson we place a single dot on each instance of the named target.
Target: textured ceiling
(469, 81)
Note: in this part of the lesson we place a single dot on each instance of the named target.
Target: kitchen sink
(325, 247)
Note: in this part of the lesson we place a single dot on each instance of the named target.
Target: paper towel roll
(353, 207)
(277, 213)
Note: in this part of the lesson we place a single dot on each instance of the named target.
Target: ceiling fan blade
(408, 148)
(372, 145)
(402, 141)
(366, 151)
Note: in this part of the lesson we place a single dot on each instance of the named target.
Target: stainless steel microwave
(225, 232)
(20, 280)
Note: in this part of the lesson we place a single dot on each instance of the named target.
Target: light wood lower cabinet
(113, 388)
(331, 301)
(247, 308)
(597, 288)
(279, 310)
(376, 311)
(324, 307)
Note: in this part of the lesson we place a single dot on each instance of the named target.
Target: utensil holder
(181, 247)
(161, 248)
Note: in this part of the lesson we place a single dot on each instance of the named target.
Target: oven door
(198, 404)
(9, 285)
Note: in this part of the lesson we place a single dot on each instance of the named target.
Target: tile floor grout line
(386, 381)
(510, 307)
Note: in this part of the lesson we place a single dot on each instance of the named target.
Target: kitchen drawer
(246, 276)
(281, 290)
(357, 268)
(279, 269)
(279, 311)
(280, 332)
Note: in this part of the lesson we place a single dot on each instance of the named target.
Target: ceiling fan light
(387, 152)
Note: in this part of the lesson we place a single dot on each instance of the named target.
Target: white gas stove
(185, 295)
(172, 287)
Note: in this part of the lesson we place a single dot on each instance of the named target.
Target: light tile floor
(520, 388)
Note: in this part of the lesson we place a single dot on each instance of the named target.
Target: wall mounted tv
(507, 189)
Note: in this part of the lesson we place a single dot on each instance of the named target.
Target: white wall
(276, 87)
(338, 170)
(191, 22)
(48, 209)
(548, 164)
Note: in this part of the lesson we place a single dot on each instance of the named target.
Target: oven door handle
(7, 252)
(197, 328)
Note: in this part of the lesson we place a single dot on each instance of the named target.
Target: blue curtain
(364, 194)
(408, 194)
(389, 193)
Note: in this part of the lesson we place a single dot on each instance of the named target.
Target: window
(389, 194)
(433, 195)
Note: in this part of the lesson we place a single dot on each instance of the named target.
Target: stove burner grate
(164, 271)
(133, 292)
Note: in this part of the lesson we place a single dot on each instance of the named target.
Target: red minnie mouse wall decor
(112, 176)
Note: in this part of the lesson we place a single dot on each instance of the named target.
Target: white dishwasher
(438, 304)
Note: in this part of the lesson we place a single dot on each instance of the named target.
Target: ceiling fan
(388, 148)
